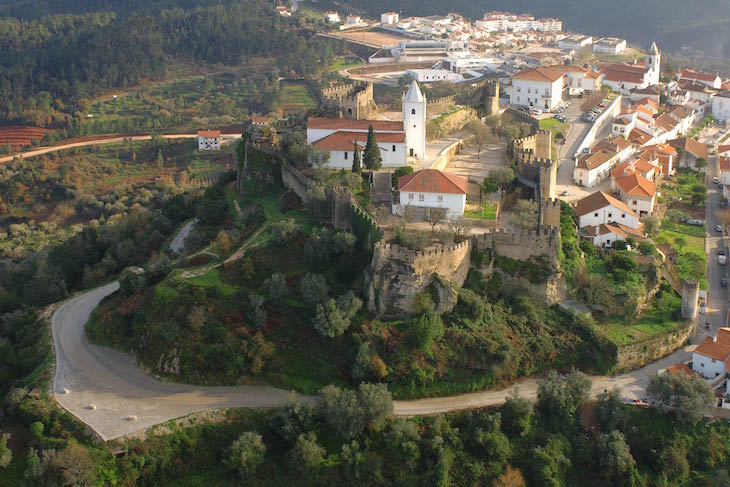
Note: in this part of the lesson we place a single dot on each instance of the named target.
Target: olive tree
(247, 453)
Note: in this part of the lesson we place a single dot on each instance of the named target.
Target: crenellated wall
(522, 244)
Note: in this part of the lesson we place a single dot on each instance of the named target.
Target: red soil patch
(19, 135)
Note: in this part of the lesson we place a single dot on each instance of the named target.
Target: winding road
(105, 389)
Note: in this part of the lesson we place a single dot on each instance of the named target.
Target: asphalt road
(126, 400)
(717, 296)
(178, 242)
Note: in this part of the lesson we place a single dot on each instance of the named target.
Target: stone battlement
(353, 100)
(398, 252)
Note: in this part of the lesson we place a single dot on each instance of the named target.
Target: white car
(537, 111)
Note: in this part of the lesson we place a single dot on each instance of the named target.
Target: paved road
(717, 296)
(99, 141)
(178, 243)
(111, 381)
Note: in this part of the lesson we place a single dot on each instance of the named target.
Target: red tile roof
(432, 181)
(600, 200)
(344, 140)
(349, 124)
(718, 349)
(209, 134)
(680, 368)
(636, 185)
(692, 74)
(539, 74)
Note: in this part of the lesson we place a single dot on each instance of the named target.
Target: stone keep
(414, 121)
(690, 297)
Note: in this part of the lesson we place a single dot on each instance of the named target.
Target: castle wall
(522, 244)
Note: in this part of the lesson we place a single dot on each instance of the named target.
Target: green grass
(344, 62)
(692, 260)
(296, 97)
(554, 125)
(663, 317)
(212, 279)
(487, 212)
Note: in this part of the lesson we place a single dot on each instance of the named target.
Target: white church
(397, 141)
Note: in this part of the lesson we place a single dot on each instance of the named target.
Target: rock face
(398, 275)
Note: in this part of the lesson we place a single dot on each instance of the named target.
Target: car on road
(718, 228)
(715, 180)
(723, 282)
(537, 111)
(561, 118)
(564, 192)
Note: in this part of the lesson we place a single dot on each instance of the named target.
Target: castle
(535, 164)
(398, 140)
(353, 101)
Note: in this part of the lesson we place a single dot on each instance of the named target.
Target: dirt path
(99, 141)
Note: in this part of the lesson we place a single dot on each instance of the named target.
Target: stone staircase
(381, 190)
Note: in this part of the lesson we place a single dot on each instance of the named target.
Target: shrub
(424, 330)
(292, 420)
(330, 321)
(284, 231)
(276, 287)
(313, 288)
(247, 453)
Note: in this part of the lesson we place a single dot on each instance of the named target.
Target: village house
(594, 167)
(711, 80)
(624, 77)
(663, 155)
(540, 88)
(604, 235)
(574, 42)
(638, 193)
(725, 171)
(689, 151)
(332, 17)
(609, 45)
(209, 140)
(601, 208)
(389, 18)
(430, 188)
(721, 106)
(711, 358)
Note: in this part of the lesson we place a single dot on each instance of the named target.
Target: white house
(209, 140)
(609, 45)
(711, 80)
(389, 18)
(712, 357)
(605, 234)
(537, 87)
(430, 188)
(725, 170)
(625, 77)
(721, 106)
(397, 140)
(593, 168)
(601, 208)
(638, 193)
(574, 42)
(332, 17)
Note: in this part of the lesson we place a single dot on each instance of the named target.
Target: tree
(688, 395)
(368, 364)
(377, 404)
(329, 320)
(489, 185)
(349, 304)
(247, 453)
(482, 136)
(610, 410)
(6, 455)
(319, 159)
(292, 420)
(651, 225)
(75, 465)
(524, 214)
(434, 216)
(371, 156)
(404, 438)
(276, 287)
(307, 454)
(356, 162)
(256, 312)
(313, 288)
(342, 411)
(424, 330)
(315, 199)
(33, 467)
(511, 477)
(558, 398)
(459, 228)
(284, 231)
(613, 455)
(550, 462)
(700, 163)
(516, 415)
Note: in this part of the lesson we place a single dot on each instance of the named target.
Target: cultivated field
(20, 136)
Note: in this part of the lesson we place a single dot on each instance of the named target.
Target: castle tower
(491, 97)
(690, 298)
(654, 61)
(414, 121)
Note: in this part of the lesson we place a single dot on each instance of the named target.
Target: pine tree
(371, 155)
(356, 165)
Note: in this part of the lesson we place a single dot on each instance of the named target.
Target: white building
(209, 140)
(625, 77)
(712, 357)
(433, 75)
(721, 106)
(601, 208)
(637, 192)
(463, 61)
(609, 45)
(574, 42)
(711, 80)
(537, 87)
(501, 21)
(430, 188)
(332, 17)
(389, 18)
(397, 140)
(725, 170)
(604, 235)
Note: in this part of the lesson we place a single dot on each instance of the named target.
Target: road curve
(99, 141)
(178, 242)
(110, 381)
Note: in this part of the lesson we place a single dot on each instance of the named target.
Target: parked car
(586, 150)
(537, 111)
(564, 192)
(715, 180)
(723, 282)
(718, 228)
(562, 118)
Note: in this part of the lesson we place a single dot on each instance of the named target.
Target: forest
(51, 67)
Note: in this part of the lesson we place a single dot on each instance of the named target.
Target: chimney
(596, 230)
(714, 339)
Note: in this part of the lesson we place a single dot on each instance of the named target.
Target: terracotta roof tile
(433, 181)
(349, 124)
(600, 200)
(344, 140)
(209, 134)
(718, 349)
(680, 368)
(636, 185)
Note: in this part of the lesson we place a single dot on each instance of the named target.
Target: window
(713, 360)
(413, 111)
(633, 202)
(410, 196)
(421, 197)
(518, 98)
(595, 214)
(610, 215)
(414, 125)
(345, 155)
(394, 148)
(623, 215)
(440, 199)
(519, 89)
(529, 90)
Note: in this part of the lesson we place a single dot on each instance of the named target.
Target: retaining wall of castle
(522, 244)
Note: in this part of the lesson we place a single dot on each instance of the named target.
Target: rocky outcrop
(398, 275)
